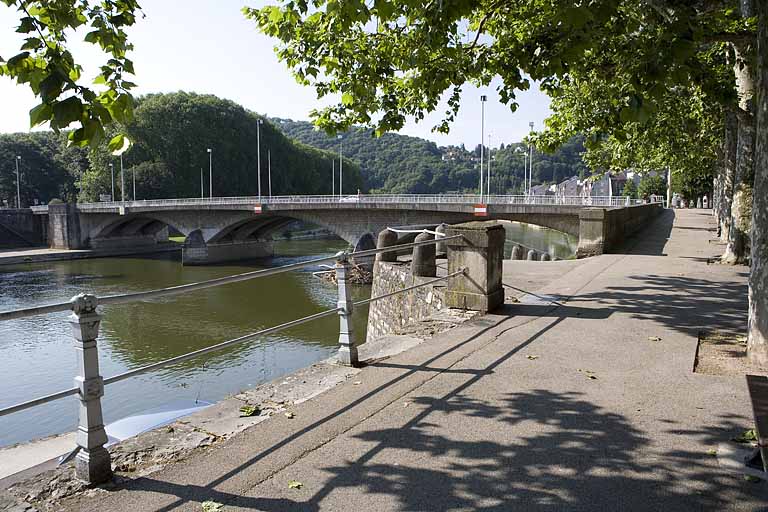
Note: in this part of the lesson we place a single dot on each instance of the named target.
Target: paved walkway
(501, 413)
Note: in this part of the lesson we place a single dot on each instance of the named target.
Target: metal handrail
(213, 348)
(467, 199)
(211, 283)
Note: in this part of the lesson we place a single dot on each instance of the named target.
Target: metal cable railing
(202, 285)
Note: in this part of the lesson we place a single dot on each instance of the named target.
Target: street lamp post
(122, 180)
(530, 163)
(269, 170)
(333, 178)
(483, 99)
(210, 172)
(341, 167)
(258, 153)
(18, 183)
(202, 186)
(133, 173)
(489, 165)
(112, 173)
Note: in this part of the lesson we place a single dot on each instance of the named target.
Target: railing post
(92, 463)
(347, 347)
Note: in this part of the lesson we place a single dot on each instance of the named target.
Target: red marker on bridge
(481, 210)
(257, 208)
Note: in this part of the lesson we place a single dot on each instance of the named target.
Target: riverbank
(44, 254)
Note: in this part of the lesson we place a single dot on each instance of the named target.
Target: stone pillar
(423, 263)
(517, 253)
(591, 232)
(64, 227)
(440, 249)
(386, 238)
(481, 254)
(532, 255)
(698, 203)
(92, 463)
(545, 257)
(347, 346)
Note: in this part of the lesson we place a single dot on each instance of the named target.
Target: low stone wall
(204, 254)
(21, 228)
(601, 230)
(390, 315)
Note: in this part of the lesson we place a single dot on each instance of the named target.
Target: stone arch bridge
(222, 229)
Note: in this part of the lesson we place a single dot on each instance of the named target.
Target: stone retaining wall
(388, 316)
(602, 230)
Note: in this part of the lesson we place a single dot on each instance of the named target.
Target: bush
(651, 185)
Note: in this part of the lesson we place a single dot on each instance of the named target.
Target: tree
(397, 60)
(50, 69)
(651, 185)
(630, 190)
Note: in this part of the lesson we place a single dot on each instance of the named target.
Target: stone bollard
(347, 346)
(517, 253)
(92, 463)
(386, 238)
(423, 262)
(546, 257)
(440, 249)
(532, 255)
(480, 252)
(705, 202)
(698, 203)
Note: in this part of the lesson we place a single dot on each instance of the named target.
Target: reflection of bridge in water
(220, 229)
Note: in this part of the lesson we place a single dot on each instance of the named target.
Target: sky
(208, 47)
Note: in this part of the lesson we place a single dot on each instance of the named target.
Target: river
(37, 355)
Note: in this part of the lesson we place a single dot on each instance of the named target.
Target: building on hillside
(604, 185)
(543, 190)
(569, 188)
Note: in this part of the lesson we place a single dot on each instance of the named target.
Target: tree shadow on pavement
(685, 304)
(567, 454)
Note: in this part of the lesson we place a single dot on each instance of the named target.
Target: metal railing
(463, 199)
(92, 462)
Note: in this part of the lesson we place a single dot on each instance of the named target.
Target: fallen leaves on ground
(289, 415)
(295, 484)
(654, 338)
(211, 506)
(588, 373)
(532, 357)
(712, 452)
(748, 436)
(249, 410)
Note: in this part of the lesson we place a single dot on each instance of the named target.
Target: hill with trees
(400, 164)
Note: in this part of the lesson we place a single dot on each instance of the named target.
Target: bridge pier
(196, 251)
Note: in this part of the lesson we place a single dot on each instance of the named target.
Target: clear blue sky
(207, 46)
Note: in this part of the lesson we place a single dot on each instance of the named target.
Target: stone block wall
(21, 228)
(602, 230)
(390, 315)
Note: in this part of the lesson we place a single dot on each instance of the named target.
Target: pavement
(43, 254)
(579, 395)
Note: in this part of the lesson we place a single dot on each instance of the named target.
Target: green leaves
(50, 70)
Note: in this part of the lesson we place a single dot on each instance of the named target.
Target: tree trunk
(736, 250)
(757, 339)
(727, 175)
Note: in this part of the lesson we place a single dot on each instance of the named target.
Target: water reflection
(556, 243)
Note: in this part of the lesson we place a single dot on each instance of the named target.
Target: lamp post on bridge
(122, 180)
(18, 182)
(210, 172)
(112, 173)
(483, 99)
(258, 153)
(530, 163)
(333, 177)
(269, 170)
(489, 165)
(341, 165)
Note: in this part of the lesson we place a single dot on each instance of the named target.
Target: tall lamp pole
(18, 186)
(333, 177)
(530, 163)
(133, 172)
(258, 153)
(210, 172)
(269, 170)
(202, 186)
(122, 180)
(483, 99)
(489, 165)
(112, 173)
(341, 167)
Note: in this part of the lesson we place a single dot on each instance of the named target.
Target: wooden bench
(758, 394)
